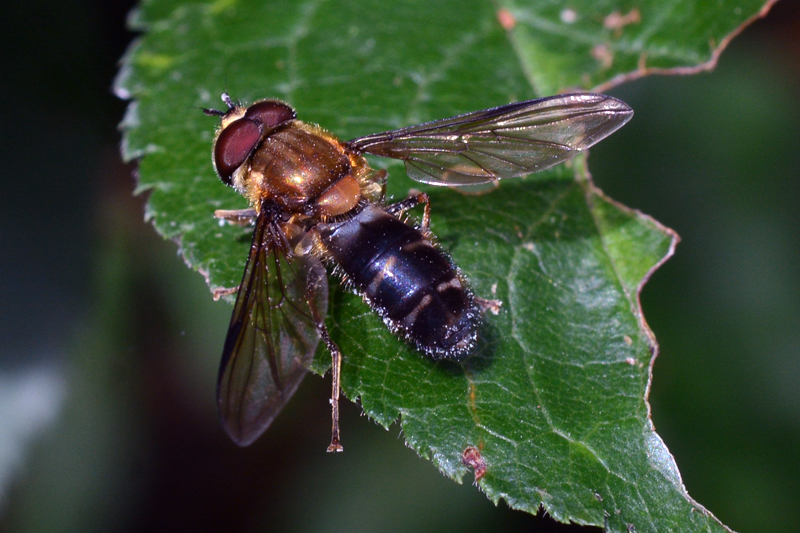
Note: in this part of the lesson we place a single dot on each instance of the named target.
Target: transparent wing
(503, 142)
(272, 336)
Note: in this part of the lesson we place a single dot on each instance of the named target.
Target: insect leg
(336, 371)
(315, 279)
(492, 306)
(216, 294)
(241, 217)
(410, 203)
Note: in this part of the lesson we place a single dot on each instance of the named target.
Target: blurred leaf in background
(174, 467)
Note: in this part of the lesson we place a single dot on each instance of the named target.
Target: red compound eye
(270, 113)
(233, 145)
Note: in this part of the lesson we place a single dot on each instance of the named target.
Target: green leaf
(600, 44)
(555, 402)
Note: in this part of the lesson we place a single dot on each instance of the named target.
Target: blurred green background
(110, 344)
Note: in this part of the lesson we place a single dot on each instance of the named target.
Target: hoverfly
(315, 200)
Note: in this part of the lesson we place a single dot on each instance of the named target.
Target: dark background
(110, 344)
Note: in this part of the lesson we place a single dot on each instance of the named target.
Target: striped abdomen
(407, 280)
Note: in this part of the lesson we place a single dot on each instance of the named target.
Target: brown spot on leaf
(506, 19)
(628, 340)
(472, 457)
(616, 21)
(603, 55)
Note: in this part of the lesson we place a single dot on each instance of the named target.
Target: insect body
(316, 200)
(409, 281)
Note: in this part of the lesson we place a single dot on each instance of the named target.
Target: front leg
(240, 217)
(222, 292)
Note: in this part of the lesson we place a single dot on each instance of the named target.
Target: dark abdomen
(407, 280)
